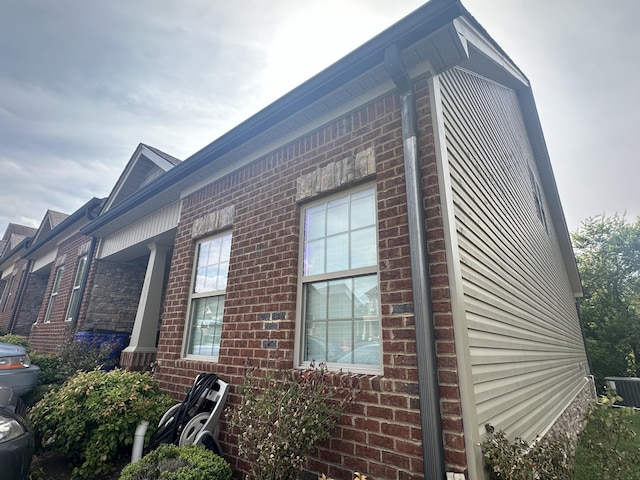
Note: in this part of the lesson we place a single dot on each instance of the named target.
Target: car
(368, 354)
(16, 436)
(16, 370)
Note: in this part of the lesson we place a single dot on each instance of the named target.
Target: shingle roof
(56, 217)
(19, 230)
(169, 158)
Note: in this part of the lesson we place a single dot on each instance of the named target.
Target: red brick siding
(7, 303)
(380, 434)
(47, 337)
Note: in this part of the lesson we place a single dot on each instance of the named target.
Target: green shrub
(16, 340)
(517, 460)
(92, 418)
(169, 462)
(283, 416)
(49, 368)
(608, 447)
(84, 356)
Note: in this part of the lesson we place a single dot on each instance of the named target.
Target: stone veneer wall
(114, 296)
(572, 420)
(30, 304)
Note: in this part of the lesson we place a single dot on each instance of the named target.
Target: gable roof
(145, 165)
(50, 221)
(13, 236)
(48, 237)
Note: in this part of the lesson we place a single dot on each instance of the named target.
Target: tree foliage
(608, 254)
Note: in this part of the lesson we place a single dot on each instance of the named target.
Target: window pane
(314, 257)
(342, 321)
(340, 340)
(363, 209)
(366, 290)
(315, 347)
(316, 296)
(82, 263)
(338, 216)
(213, 265)
(206, 326)
(337, 253)
(363, 248)
(315, 222)
(56, 281)
(340, 299)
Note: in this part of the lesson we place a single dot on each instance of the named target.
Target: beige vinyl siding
(142, 231)
(526, 351)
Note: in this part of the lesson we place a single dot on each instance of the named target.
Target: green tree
(608, 254)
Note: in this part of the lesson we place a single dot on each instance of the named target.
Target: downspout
(83, 285)
(584, 338)
(430, 417)
(18, 299)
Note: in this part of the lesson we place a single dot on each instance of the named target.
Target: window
(207, 296)
(537, 198)
(7, 292)
(340, 311)
(75, 292)
(54, 294)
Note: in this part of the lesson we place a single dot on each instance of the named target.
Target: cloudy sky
(82, 82)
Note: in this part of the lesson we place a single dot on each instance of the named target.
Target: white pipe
(138, 441)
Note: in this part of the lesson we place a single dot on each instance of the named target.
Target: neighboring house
(395, 215)
(132, 260)
(13, 271)
(60, 259)
(71, 286)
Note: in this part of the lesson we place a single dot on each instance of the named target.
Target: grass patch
(609, 447)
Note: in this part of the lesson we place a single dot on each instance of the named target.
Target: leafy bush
(16, 340)
(283, 416)
(50, 377)
(517, 460)
(608, 447)
(49, 368)
(169, 462)
(93, 417)
(84, 356)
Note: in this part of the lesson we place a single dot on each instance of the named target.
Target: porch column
(142, 347)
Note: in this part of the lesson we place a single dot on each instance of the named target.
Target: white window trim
(77, 282)
(302, 281)
(55, 288)
(193, 296)
(6, 294)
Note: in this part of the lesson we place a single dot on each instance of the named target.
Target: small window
(7, 293)
(209, 284)
(537, 199)
(75, 292)
(339, 283)
(54, 295)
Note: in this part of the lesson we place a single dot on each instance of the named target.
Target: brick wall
(47, 337)
(381, 433)
(9, 297)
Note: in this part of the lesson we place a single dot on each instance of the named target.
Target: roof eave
(425, 20)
